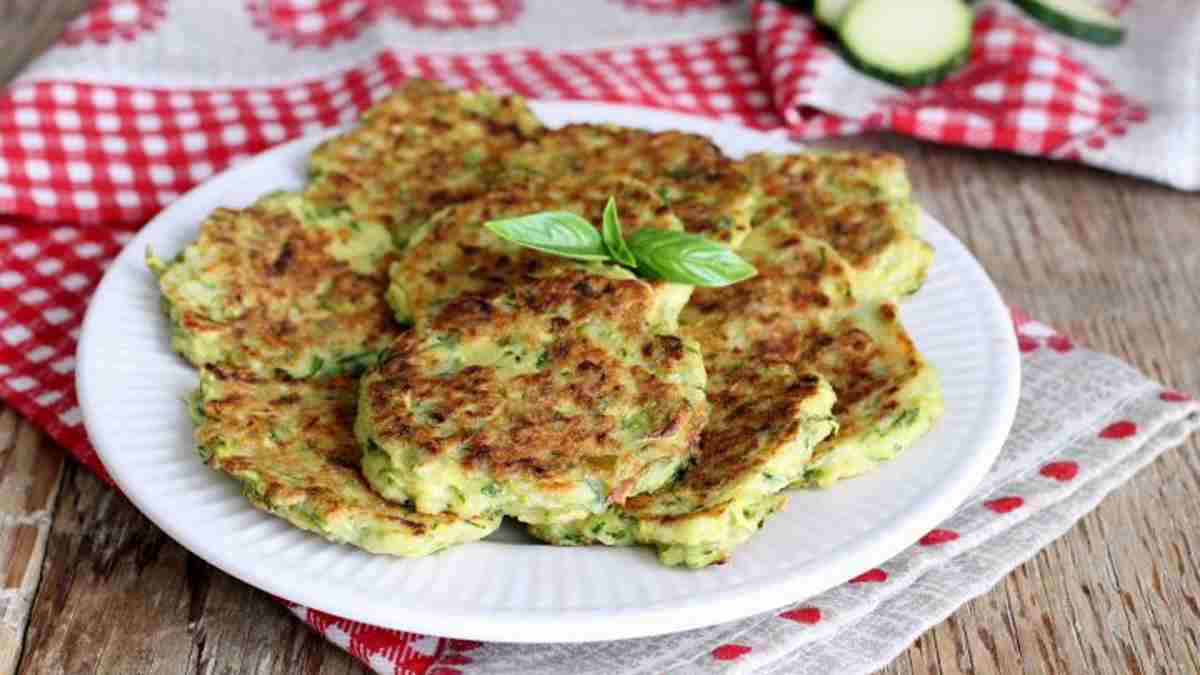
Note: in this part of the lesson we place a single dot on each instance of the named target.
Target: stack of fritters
(771, 426)
(593, 405)
(291, 444)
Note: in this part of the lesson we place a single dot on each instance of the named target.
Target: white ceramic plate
(509, 588)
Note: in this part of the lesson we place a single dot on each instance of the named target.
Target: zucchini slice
(910, 43)
(1078, 18)
(830, 12)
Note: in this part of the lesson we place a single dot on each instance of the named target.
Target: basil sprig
(662, 254)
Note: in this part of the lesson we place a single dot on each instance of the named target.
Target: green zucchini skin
(921, 79)
(896, 75)
(1088, 31)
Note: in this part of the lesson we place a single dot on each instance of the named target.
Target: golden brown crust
(567, 298)
(866, 374)
(783, 316)
(555, 380)
(852, 201)
(799, 310)
(754, 410)
(455, 259)
(801, 282)
(292, 443)
(701, 185)
(287, 264)
(568, 406)
(262, 289)
(421, 149)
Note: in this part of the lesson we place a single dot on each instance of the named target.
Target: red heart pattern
(875, 575)
(1060, 471)
(938, 536)
(805, 615)
(1031, 335)
(1117, 430)
(305, 24)
(108, 20)
(1005, 504)
(729, 652)
(1060, 343)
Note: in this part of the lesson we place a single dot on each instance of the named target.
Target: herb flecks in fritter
(857, 205)
(701, 186)
(799, 312)
(545, 387)
(765, 421)
(280, 287)
(423, 148)
(888, 395)
(290, 443)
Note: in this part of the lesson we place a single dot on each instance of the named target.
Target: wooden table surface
(89, 585)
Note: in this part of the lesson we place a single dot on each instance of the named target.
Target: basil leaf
(558, 232)
(688, 258)
(613, 241)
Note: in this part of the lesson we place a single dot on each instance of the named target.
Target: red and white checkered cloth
(77, 152)
(142, 99)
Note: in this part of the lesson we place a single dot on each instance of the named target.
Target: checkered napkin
(192, 87)
(142, 99)
(1131, 108)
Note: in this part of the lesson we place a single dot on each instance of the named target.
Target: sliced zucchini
(1078, 18)
(907, 42)
(830, 12)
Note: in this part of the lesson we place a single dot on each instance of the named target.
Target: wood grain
(27, 27)
(118, 596)
(29, 479)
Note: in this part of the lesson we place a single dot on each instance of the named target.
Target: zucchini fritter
(888, 396)
(797, 311)
(765, 422)
(539, 386)
(704, 188)
(859, 205)
(422, 148)
(453, 256)
(291, 445)
(280, 287)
